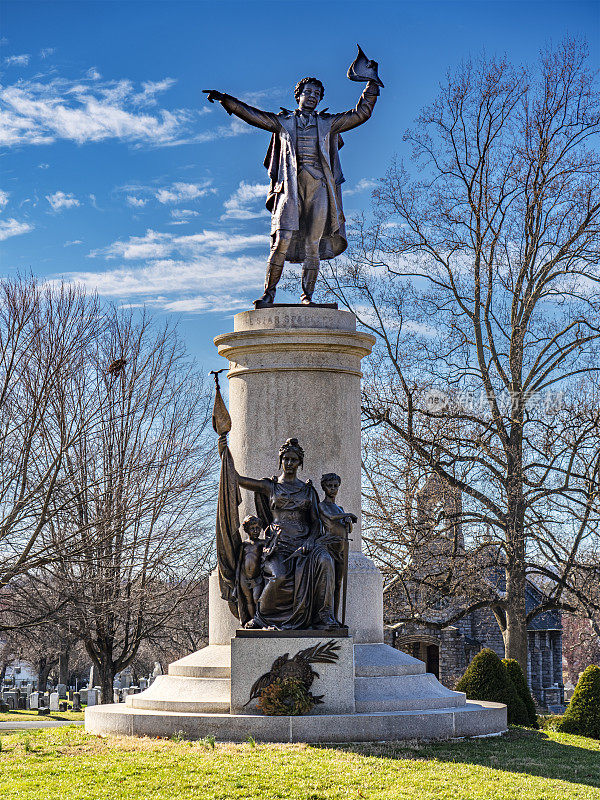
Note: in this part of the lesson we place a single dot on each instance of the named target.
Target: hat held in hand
(363, 69)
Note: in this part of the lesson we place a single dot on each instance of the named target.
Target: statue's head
(252, 526)
(330, 482)
(309, 93)
(291, 451)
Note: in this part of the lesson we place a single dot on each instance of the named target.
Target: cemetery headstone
(63, 706)
(62, 691)
(34, 700)
(54, 701)
(76, 701)
(43, 711)
(92, 697)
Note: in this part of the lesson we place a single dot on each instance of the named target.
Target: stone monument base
(295, 371)
(251, 658)
(372, 693)
(473, 719)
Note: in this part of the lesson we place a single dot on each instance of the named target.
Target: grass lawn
(67, 763)
(31, 716)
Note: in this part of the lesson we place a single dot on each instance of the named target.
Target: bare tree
(38, 620)
(479, 277)
(44, 337)
(136, 492)
(581, 645)
(180, 634)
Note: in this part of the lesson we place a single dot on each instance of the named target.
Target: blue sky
(116, 172)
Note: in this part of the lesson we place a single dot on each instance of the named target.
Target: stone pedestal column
(295, 372)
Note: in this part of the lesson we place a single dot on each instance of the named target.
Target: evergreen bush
(486, 678)
(583, 712)
(515, 673)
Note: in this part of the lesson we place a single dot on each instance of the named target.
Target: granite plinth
(262, 304)
(309, 633)
(472, 719)
(252, 658)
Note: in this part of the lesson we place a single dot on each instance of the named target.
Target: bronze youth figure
(337, 527)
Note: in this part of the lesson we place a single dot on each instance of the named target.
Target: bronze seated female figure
(297, 569)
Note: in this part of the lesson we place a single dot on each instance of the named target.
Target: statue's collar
(296, 112)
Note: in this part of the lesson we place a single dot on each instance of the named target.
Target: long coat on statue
(282, 166)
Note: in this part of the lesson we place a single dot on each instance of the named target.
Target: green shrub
(515, 673)
(486, 678)
(583, 712)
(549, 722)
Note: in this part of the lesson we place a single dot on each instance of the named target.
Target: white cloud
(155, 245)
(12, 227)
(20, 61)
(182, 192)
(147, 97)
(235, 128)
(181, 216)
(3, 199)
(243, 202)
(60, 200)
(222, 301)
(47, 51)
(75, 241)
(420, 328)
(364, 184)
(206, 271)
(92, 109)
(43, 166)
(213, 281)
(266, 95)
(136, 202)
(87, 111)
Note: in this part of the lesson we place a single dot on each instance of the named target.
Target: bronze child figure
(250, 580)
(337, 526)
(304, 198)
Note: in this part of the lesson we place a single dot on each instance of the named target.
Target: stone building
(447, 651)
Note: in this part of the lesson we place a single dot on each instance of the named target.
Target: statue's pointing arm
(364, 108)
(253, 116)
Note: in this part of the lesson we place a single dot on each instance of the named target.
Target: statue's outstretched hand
(213, 95)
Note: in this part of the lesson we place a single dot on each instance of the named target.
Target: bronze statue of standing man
(304, 198)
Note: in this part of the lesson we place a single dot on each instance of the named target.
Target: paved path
(32, 724)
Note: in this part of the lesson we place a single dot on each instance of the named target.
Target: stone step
(403, 693)
(392, 704)
(473, 719)
(380, 659)
(184, 694)
(183, 706)
(213, 661)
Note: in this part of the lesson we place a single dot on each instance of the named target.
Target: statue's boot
(310, 272)
(274, 270)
